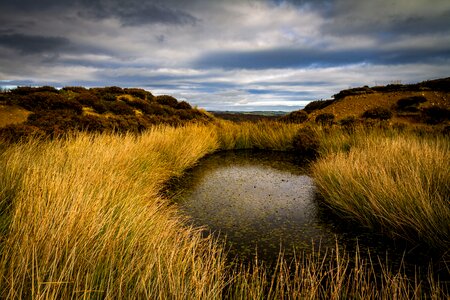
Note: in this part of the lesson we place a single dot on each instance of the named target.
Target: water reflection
(265, 201)
(258, 200)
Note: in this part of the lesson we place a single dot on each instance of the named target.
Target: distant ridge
(424, 97)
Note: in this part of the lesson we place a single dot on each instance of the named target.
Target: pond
(262, 202)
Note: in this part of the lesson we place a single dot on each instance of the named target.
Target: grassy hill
(48, 111)
(425, 102)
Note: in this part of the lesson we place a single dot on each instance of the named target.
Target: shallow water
(264, 202)
(260, 201)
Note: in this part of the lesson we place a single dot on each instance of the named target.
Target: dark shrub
(298, 116)
(67, 105)
(142, 105)
(108, 93)
(325, 119)
(125, 123)
(167, 100)
(112, 90)
(48, 101)
(379, 113)
(18, 132)
(86, 98)
(55, 122)
(46, 88)
(442, 84)
(306, 142)
(159, 110)
(4, 98)
(139, 93)
(436, 114)
(410, 104)
(183, 105)
(349, 122)
(75, 89)
(99, 106)
(49, 117)
(318, 104)
(95, 124)
(187, 114)
(108, 97)
(26, 90)
(91, 100)
(119, 108)
(23, 90)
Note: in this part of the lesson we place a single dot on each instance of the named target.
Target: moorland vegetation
(111, 109)
(82, 214)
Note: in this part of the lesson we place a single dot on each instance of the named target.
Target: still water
(264, 202)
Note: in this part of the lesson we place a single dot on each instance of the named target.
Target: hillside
(427, 101)
(46, 111)
(356, 105)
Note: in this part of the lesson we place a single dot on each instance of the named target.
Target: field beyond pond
(84, 216)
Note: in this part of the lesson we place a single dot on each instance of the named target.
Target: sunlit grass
(87, 221)
(260, 135)
(399, 184)
(82, 217)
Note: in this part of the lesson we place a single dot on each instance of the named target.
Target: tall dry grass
(260, 135)
(82, 217)
(85, 219)
(398, 184)
(332, 274)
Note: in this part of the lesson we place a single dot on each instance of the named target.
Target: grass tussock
(86, 219)
(399, 184)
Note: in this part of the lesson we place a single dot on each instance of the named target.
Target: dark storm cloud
(385, 18)
(394, 26)
(225, 54)
(129, 12)
(29, 44)
(133, 13)
(301, 58)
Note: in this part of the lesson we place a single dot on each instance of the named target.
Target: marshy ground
(83, 215)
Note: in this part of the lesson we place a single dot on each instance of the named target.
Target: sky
(239, 55)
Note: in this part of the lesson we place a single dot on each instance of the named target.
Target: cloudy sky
(225, 55)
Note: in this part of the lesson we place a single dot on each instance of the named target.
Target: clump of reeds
(397, 184)
(85, 219)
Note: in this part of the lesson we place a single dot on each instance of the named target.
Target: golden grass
(82, 217)
(329, 275)
(87, 221)
(260, 135)
(399, 184)
(10, 114)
